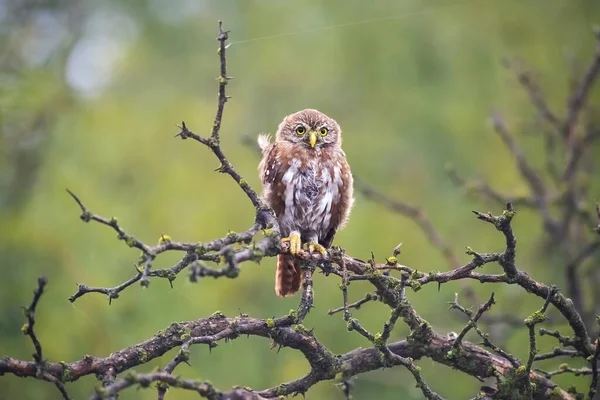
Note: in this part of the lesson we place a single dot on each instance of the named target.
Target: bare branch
(416, 215)
(357, 304)
(580, 95)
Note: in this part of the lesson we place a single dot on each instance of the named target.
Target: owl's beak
(312, 138)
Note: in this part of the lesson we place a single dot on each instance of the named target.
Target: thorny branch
(515, 378)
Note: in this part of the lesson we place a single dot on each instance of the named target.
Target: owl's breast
(309, 183)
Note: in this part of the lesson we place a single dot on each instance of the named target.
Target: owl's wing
(271, 175)
(340, 209)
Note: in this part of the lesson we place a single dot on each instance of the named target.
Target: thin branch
(416, 215)
(564, 369)
(535, 94)
(40, 363)
(536, 318)
(307, 297)
(486, 191)
(472, 319)
(204, 389)
(30, 315)
(213, 142)
(357, 304)
(595, 359)
(557, 352)
(580, 95)
(564, 340)
(473, 325)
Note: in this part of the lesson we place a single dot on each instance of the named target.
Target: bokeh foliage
(412, 85)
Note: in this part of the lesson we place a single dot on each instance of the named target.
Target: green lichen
(281, 390)
(67, 372)
(378, 340)
(142, 355)
(270, 323)
(535, 318)
(391, 260)
(556, 394)
(200, 250)
(416, 286)
(176, 327)
(130, 241)
(350, 324)
(186, 334)
(218, 314)
(508, 214)
(184, 354)
(268, 232)
(257, 255)
(300, 329)
(213, 143)
(234, 237)
(375, 273)
(292, 313)
(164, 239)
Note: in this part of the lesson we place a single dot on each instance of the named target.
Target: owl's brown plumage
(307, 181)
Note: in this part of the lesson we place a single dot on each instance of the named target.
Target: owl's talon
(295, 242)
(317, 247)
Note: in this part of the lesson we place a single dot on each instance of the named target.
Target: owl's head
(311, 128)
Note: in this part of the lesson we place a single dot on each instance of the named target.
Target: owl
(307, 181)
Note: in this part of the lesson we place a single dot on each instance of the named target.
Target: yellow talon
(295, 242)
(317, 247)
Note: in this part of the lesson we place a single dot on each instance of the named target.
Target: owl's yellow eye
(323, 131)
(300, 130)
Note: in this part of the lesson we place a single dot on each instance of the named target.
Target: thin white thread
(348, 24)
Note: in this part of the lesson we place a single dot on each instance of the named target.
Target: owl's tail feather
(288, 276)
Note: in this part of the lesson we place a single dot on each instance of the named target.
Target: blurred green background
(90, 93)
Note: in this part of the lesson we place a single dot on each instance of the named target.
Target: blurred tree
(89, 89)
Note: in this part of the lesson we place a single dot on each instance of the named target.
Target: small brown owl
(307, 181)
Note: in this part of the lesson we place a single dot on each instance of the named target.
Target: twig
(557, 352)
(416, 215)
(213, 142)
(486, 191)
(40, 363)
(357, 304)
(535, 94)
(564, 369)
(30, 315)
(564, 340)
(595, 358)
(580, 95)
(307, 298)
(204, 389)
(536, 318)
(472, 319)
(473, 325)
(502, 223)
